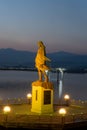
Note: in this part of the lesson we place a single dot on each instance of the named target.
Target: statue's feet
(40, 80)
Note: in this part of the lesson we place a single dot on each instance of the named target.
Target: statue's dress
(40, 60)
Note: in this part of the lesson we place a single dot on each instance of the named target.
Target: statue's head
(40, 44)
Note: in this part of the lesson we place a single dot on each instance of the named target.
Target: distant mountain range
(15, 58)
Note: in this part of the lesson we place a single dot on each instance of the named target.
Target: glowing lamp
(7, 109)
(62, 111)
(66, 97)
(29, 95)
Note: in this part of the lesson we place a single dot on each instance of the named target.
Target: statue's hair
(40, 44)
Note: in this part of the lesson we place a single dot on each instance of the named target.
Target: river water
(16, 84)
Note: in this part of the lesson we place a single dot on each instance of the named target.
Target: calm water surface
(16, 84)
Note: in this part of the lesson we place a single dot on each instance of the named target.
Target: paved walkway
(21, 116)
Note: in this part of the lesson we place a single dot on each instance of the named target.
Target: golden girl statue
(40, 61)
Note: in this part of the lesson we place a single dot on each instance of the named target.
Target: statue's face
(40, 44)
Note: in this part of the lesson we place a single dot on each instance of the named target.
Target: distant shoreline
(19, 69)
(76, 71)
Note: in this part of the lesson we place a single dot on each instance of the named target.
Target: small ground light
(29, 96)
(66, 97)
(7, 109)
(62, 111)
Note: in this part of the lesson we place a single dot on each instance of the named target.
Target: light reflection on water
(15, 84)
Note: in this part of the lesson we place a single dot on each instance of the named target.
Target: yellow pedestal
(42, 97)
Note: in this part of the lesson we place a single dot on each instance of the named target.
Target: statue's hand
(48, 59)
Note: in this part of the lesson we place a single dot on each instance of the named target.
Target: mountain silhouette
(68, 60)
(11, 57)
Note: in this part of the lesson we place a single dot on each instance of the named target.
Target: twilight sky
(60, 24)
